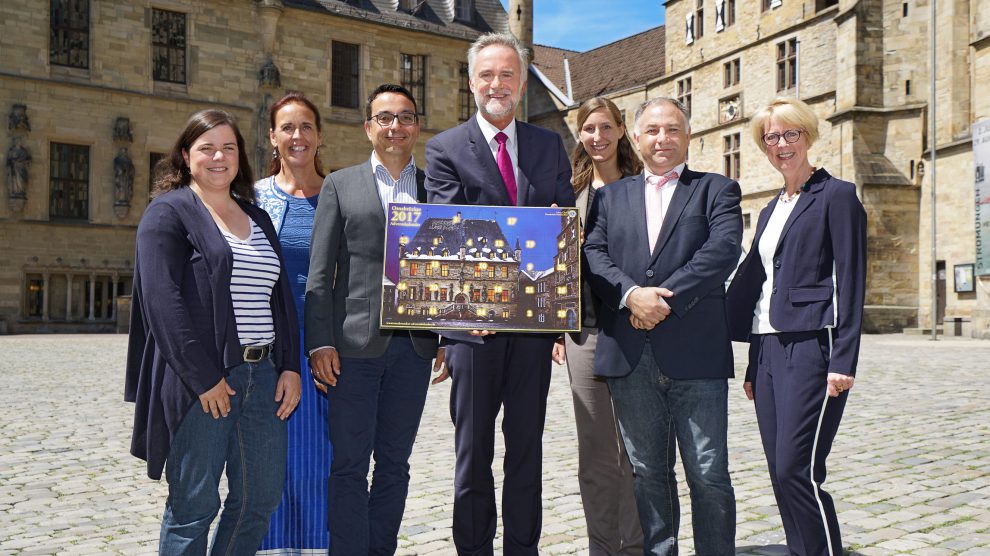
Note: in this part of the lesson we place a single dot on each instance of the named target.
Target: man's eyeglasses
(385, 119)
(790, 136)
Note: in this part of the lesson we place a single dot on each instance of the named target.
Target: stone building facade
(863, 66)
(96, 90)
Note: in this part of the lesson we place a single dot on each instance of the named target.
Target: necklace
(785, 198)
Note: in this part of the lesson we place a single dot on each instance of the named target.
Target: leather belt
(253, 354)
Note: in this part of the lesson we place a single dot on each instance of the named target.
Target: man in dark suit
(377, 379)
(659, 248)
(493, 159)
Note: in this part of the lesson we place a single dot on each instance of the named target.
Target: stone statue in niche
(122, 130)
(269, 76)
(123, 178)
(18, 161)
(18, 120)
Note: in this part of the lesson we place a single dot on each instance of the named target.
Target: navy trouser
(798, 421)
(509, 370)
(375, 408)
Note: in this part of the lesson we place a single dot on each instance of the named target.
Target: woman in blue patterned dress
(289, 195)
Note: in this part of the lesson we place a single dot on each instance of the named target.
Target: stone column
(44, 297)
(92, 296)
(68, 296)
(113, 296)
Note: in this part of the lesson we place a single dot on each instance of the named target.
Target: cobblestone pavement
(910, 469)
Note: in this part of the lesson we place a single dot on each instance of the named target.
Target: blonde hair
(791, 111)
(583, 169)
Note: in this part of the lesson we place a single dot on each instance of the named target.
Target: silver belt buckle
(253, 354)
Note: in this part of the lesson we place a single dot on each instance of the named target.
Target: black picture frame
(964, 278)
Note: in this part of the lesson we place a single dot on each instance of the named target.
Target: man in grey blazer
(375, 380)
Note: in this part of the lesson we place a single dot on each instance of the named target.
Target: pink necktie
(505, 166)
(654, 204)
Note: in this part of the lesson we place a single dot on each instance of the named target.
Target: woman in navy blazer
(797, 298)
(202, 355)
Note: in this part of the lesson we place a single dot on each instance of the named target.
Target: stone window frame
(68, 179)
(345, 74)
(464, 11)
(729, 13)
(731, 158)
(413, 77)
(465, 98)
(767, 5)
(684, 92)
(169, 46)
(69, 33)
(731, 73)
(787, 64)
(699, 19)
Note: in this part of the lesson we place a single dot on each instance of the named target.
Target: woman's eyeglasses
(790, 136)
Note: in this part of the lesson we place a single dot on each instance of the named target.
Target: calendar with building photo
(454, 267)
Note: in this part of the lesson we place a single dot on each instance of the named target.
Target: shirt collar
(679, 169)
(489, 130)
(376, 164)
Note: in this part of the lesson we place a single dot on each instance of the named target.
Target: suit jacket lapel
(637, 211)
(483, 153)
(804, 201)
(420, 185)
(370, 185)
(582, 203)
(683, 192)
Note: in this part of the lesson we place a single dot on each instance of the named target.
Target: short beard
(479, 100)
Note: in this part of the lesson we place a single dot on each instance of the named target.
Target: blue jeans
(657, 413)
(375, 408)
(251, 442)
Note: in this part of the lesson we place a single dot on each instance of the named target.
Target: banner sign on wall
(981, 163)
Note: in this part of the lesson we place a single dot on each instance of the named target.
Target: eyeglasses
(790, 136)
(385, 119)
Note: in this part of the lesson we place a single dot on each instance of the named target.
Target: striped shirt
(402, 190)
(256, 268)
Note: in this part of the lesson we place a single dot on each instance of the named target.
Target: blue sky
(586, 24)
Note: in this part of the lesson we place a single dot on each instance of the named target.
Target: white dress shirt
(511, 144)
(402, 190)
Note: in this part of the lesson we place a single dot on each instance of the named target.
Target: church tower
(521, 26)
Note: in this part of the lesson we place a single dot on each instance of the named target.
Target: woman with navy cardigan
(797, 298)
(213, 353)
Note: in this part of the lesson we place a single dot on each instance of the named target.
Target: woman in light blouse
(797, 298)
